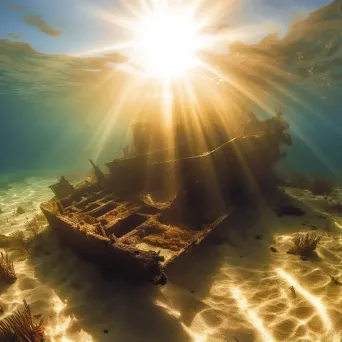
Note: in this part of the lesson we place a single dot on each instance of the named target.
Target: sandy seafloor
(232, 289)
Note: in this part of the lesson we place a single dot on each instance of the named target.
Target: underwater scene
(171, 170)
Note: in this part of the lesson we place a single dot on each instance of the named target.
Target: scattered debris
(304, 244)
(19, 327)
(273, 249)
(106, 331)
(258, 237)
(7, 272)
(293, 291)
(334, 280)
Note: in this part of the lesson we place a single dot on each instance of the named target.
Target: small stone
(273, 249)
(241, 256)
(20, 211)
(1, 310)
(1, 212)
(192, 291)
(258, 237)
(105, 331)
(289, 210)
(37, 316)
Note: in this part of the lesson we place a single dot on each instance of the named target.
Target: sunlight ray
(252, 316)
(104, 132)
(117, 20)
(110, 48)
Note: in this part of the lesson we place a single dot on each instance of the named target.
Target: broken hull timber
(136, 253)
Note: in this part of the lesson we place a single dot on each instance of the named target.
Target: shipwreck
(132, 221)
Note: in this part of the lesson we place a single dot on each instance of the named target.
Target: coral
(19, 242)
(33, 227)
(304, 244)
(7, 272)
(35, 224)
(19, 327)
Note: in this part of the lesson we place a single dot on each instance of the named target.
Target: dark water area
(57, 111)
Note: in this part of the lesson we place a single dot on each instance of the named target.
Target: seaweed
(19, 327)
(7, 272)
(304, 244)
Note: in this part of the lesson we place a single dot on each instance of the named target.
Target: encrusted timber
(137, 265)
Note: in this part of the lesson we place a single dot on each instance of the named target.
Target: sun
(167, 43)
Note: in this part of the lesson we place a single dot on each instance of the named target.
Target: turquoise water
(57, 111)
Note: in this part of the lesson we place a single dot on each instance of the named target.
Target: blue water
(55, 109)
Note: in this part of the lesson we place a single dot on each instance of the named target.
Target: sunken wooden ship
(153, 207)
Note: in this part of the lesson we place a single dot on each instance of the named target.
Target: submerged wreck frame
(115, 221)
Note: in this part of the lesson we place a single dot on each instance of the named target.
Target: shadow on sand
(132, 312)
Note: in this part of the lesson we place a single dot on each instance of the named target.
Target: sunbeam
(251, 315)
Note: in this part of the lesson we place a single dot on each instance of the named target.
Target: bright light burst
(168, 41)
(164, 37)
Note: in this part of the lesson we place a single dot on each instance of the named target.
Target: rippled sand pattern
(232, 289)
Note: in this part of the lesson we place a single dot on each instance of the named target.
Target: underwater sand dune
(235, 288)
